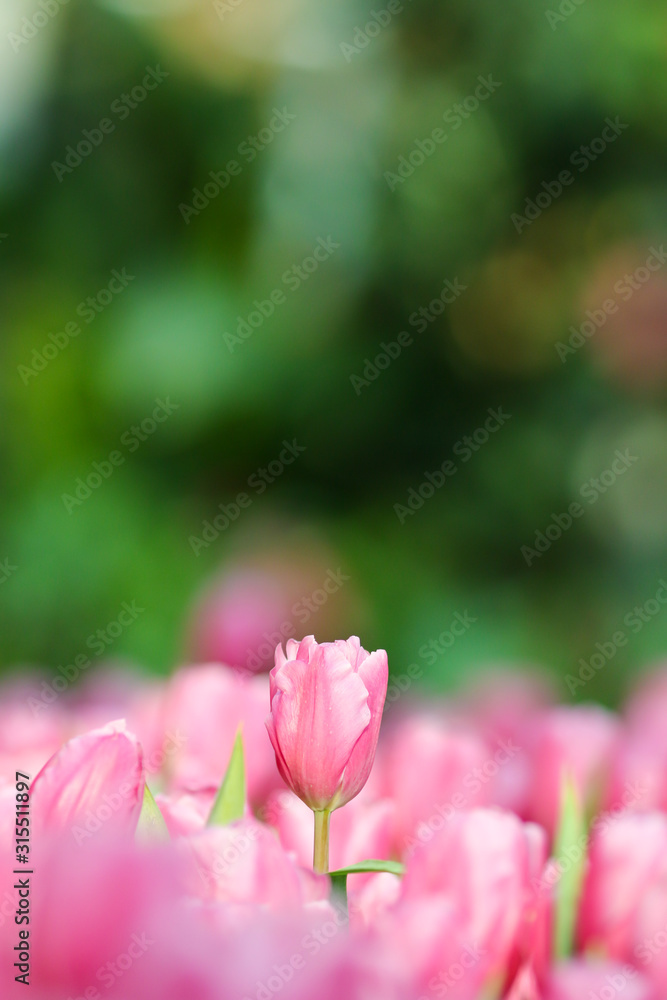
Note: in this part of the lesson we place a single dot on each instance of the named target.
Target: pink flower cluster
(466, 792)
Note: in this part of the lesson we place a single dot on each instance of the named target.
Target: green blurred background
(361, 98)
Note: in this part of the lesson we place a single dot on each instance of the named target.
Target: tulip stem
(321, 848)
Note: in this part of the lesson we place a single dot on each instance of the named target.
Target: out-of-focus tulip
(186, 812)
(31, 729)
(111, 921)
(431, 770)
(627, 864)
(499, 703)
(473, 878)
(326, 709)
(204, 706)
(237, 617)
(96, 781)
(639, 767)
(263, 600)
(569, 741)
(245, 863)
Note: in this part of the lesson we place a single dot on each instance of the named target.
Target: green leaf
(394, 867)
(339, 877)
(151, 825)
(230, 800)
(571, 858)
(339, 887)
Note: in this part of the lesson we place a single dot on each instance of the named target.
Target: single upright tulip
(326, 708)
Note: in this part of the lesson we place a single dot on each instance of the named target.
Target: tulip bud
(326, 708)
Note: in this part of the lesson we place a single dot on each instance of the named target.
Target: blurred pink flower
(237, 616)
(111, 921)
(626, 887)
(96, 781)
(326, 709)
(431, 770)
(263, 599)
(205, 705)
(186, 812)
(245, 863)
(474, 878)
(583, 979)
(574, 741)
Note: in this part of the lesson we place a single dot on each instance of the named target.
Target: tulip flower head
(326, 708)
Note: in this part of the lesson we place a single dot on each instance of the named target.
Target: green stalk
(321, 847)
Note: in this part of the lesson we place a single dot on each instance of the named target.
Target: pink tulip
(95, 781)
(326, 709)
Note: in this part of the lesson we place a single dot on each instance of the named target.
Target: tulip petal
(374, 672)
